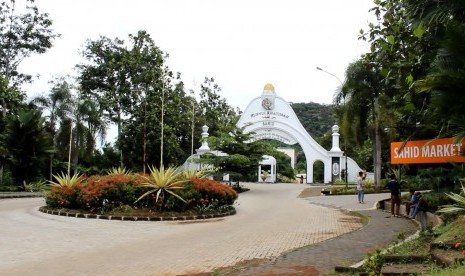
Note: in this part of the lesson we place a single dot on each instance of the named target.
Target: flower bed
(141, 197)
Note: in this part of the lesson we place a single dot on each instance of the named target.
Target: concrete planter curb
(45, 209)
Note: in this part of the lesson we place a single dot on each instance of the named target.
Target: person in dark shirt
(394, 187)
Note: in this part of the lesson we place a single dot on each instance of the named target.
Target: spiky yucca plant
(459, 206)
(118, 171)
(194, 174)
(39, 186)
(65, 180)
(162, 181)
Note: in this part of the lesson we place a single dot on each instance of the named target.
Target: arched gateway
(271, 117)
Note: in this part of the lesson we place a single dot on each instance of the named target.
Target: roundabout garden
(163, 194)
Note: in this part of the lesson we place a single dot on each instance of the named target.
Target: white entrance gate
(271, 117)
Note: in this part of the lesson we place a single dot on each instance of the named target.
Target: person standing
(394, 187)
(360, 192)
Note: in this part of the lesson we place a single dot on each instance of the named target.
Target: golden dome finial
(269, 87)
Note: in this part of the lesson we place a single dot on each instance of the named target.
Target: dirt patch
(234, 269)
(246, 266)
(291, 270)
(405, 269)
(448, 257)
(309, 192)
(351, 219)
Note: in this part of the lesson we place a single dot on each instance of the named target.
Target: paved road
(343, 250)
(270, 220)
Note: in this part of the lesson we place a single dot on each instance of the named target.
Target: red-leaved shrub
(211, 189)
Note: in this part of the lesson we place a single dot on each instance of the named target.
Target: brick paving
(270, 221)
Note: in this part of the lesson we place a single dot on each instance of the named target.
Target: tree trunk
(119, 135)
(377, 158)
(144, 157)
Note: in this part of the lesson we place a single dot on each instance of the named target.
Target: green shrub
(8, 183)
(374, 262)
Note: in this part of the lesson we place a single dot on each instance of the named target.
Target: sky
(242, 44)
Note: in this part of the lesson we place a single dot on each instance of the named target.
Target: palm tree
(58, 106)
(360, 109)
(89, 124)
(65, 109)
(96, 124)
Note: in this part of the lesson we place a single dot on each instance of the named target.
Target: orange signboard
(442, 150)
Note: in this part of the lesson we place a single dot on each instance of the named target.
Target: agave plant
(65, 180)
(193, 174)
(118, 171)
(39, 186)
(459, 206)
(163, 181)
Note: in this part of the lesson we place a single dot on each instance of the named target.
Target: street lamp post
(345, 142)
(192, 125)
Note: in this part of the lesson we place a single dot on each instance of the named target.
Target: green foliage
(106, 158)
(22, 34)
(162, 182)
(373, 262)
(283, 165)
(420, 245)
(8, 183)
(37, 186)
(217, 114)
(459, 203)
(451, 232)
(316, 118)
(318, 172)
(446, 78)
(28, 144)
(242, 157)
(363, 155)
(134, 87)
(456, 269)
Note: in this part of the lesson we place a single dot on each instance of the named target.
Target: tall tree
(399, 54)
(20, 36)
(146, 61)
(360, 96)
(106, 77)
(215, 111)
(446, 79)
